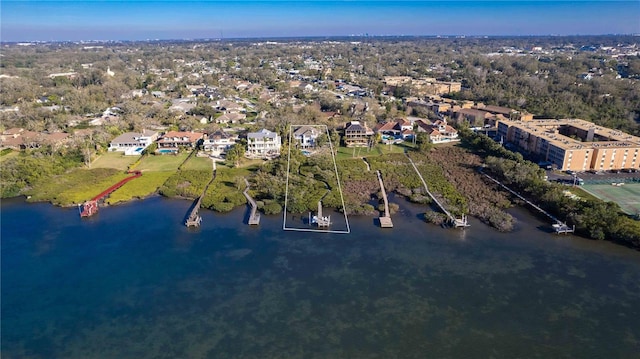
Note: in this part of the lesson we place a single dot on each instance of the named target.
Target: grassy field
(76, 186)
(162, 162)
(626, 196)
(377, 150)
(198, 163)
(140, 187)
(115, 160)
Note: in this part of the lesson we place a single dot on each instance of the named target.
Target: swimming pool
(164, 150)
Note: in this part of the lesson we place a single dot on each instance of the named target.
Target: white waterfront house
(132, 143)
(218, 142)
(263, 143)
(306, 136)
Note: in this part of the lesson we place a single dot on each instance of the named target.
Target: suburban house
(232, 117)
(306, 136)
(356, 134)
(388, 128)
(181, 105)
(400, 128)
(263, 143)
(20, 139)
(439, 131)
(173, 140)
(132, 143)
(227, 106)
(218, 141)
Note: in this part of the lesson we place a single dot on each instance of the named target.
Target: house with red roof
(439, 131)
(173, 140)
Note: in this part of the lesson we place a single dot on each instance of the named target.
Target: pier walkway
(385, 221)
(462, 222)
(194, 219)
(254, 216)
(558, 225)
(90, 207)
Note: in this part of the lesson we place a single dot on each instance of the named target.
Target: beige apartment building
(573, 144)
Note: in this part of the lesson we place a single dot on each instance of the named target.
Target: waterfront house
(263, 143)
(173, 140)
(391, 128)
(218, 142)
(306, 136)
(439, 131)
(132, 143)
(356, 134)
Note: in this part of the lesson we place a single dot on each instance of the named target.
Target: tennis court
(627, 196)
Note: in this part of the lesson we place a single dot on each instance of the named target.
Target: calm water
(133, 282)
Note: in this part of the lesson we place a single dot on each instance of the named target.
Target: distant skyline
(143, 20)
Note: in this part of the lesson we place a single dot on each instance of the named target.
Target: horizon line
(457, 36)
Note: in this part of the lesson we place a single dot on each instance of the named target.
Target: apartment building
(573, 144)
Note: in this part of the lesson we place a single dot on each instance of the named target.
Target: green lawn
(75, 186)
(115, 160)
(161, 163)
(198, 163)
(377, 150)
(140, 187)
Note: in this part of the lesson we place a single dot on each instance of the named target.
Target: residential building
(391, 128)
(20, 139)
(173, 140)
(356, 134)
(233, 117)
(306, 136)
(132, 143)
(573, 144)
(219, 142)
(439, 132)
(263, 143)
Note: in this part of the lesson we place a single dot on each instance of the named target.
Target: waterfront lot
(626, 196)
(162, 162)
(75, 186)
(115, 160)
(199, 164)
(377, 150)
(140, 187)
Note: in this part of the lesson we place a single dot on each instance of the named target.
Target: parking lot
(588, 177)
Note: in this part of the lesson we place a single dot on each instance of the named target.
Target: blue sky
(139, 20)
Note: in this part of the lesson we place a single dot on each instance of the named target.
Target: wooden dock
(254, 216)
(320, 220)
(90, 207)
(194, 219)
(385, 221)
(456, 222)
(558, 226)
